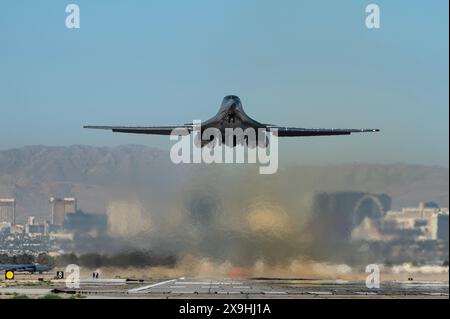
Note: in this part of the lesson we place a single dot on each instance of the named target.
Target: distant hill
(97, 175)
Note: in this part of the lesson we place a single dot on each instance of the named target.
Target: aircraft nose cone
(231, 103)
(232, 99)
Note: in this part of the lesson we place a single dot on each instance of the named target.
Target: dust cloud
(231, 222)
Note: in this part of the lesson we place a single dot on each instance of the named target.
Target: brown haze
(216, 219)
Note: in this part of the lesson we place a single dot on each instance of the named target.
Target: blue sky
(298, 63)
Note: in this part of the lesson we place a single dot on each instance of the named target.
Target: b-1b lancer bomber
(231, 115)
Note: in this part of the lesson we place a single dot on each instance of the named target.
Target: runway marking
(206, 283)
(212, 287)
(150, 286)
(241, 287)
(319, 292)
(275, 292)
(174, 287)
(184, 292)
(229, 292)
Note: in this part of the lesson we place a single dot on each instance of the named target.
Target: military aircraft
(231, 115)
(32, 268)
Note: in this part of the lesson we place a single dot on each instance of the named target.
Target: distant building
(60, 207)
(340, 212)
(31, 220)
(425, 222)
(58, 211)
(70, 205)
(442, 229)
(34, 228)
(81, 222)
(8, 210)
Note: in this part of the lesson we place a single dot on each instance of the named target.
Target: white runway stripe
(275, 292)
(139, 289)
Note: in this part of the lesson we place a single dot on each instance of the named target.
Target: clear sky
(292, 62)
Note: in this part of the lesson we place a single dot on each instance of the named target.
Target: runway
(256, 288)
(289, 288)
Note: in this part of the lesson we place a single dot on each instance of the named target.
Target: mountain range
(98, 175)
